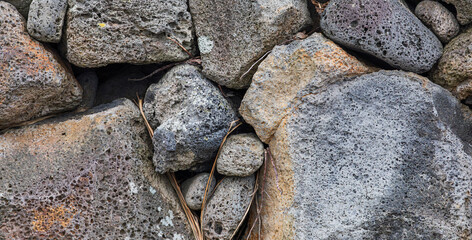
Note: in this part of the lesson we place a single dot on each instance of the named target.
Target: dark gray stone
(21, 5)
(89, 82)
(241, 155)
(45, 19)
(464, 10)
(233, 35)
(385, 29)
(226, 207)
(385, 155)
(440, 20)
(193, 190)
(190, 117)
(87, 176)
(101, 32)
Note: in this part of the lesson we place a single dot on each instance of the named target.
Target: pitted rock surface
(240, 32)
(227, 206)
(34, 82)
(102, 32)
(385, 29)
(193, 190)
(288, 69)
(190, 117)
(46, 18)
(87, 176)
(385, 155)
(241, 155)
(464, 10)
(21, 5)
(440, 20)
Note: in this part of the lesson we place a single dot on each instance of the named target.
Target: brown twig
(272, 160)
(192, 61)
(180, 45)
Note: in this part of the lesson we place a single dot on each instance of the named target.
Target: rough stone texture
(227, 206)
(89, 82)
(21, 5)
(241, 155)
(288, 69)
(86, 177)
(440, 20)
(46, 18)
(385, 29)
(34, 82)
(464, 10)
(385, 155)
(240, 32)
(190, 117)
(193, 190)
(101, 32)
(454, 69)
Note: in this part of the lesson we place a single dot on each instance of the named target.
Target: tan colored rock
(34, 82)
(288, 69)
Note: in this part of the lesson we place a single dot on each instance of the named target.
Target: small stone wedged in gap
(193, 190)
(439, 19)
(45, 19)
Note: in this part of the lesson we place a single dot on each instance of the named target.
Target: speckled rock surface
(241, 155)
(190, 117)
(240, 32)
(385, 155)
(385, 29)
(89, 82)
(193, 190)
(440, 20)
(21, 5)
(464, 10)
(34, 82)
(454, 69)
(46, 18)
(225, 209)
(88, 176)
(288, 69)
(101, 32)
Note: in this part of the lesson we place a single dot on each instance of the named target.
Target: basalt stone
(227, 207)
(288, 69)
(385, 155)
(240, 32)
(453, 70)
(102, 32)
(21, 5)
(241, 155)
(385, 29)
(45, 19)
(464, 10)
(193, 190)
(34, 82)
(440, 20)
(87, 176)
(190, 117)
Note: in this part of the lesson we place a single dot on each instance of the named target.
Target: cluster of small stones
(337, 137)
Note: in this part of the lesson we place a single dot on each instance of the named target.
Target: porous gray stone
(34, 82)
(45, 19)
(101, 32)
(440, 20)
(241, 155)
(86, 176)
(190, 117)
(227, 207)
(464, 10)
(21, 5)
(240, 32)
(193, 190)
(385, 29)
(89, 82)
(385, 155)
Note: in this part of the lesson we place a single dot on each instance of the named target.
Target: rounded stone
(45, 19)
(464, 10)
(440, 20)
(241, 155)
(193, 190)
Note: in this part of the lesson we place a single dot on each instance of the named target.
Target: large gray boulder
(386, 29)
(87, 176)
(101, 32)
(34, 82)
(385, 155)
(233, 35)
(46, 18)
(190, 117)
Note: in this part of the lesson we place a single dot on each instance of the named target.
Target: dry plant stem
(180, 45)
(193, 220)
(256, 186)
(272, 160)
